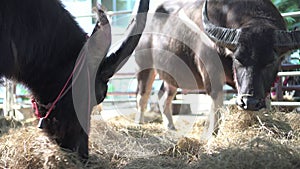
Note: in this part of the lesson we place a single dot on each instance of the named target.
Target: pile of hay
(29, 147)
(245, 140)
(253, 140)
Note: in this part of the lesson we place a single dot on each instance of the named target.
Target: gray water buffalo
(196, 44)
(40, 46)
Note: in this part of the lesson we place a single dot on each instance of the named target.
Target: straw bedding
(245, 140)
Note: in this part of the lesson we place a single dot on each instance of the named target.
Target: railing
(108, 13)
(112, 13)
(279, 88)
(291, 14)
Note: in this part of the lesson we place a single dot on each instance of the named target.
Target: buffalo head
(256, 53)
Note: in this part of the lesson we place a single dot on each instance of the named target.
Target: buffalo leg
(167, 98)
(145, 80)
(213, 121)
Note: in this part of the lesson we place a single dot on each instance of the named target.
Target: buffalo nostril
(245, 101)
(250, 103)
(240, 102)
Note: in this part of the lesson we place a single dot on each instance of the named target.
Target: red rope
(62, 92)
(35, 107)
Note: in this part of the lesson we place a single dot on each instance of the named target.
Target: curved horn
(222, 36)
(117, 59)
(102, 19)
(287, 40)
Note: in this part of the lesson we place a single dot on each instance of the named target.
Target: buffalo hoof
(139, 122)
(171, 127)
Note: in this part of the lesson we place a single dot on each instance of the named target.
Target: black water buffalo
(194, 46)
(40, 45)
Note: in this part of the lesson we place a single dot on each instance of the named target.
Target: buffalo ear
(285, 41)
(91, 55)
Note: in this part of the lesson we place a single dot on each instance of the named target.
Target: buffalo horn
(117, 59)
(226, 37)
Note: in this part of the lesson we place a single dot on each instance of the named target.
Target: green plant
(289, 6)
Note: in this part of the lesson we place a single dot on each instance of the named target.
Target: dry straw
(245, 140)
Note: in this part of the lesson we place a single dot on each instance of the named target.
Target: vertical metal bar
(114, 18)
(279, 94)
(114, 5)
(128, 5)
